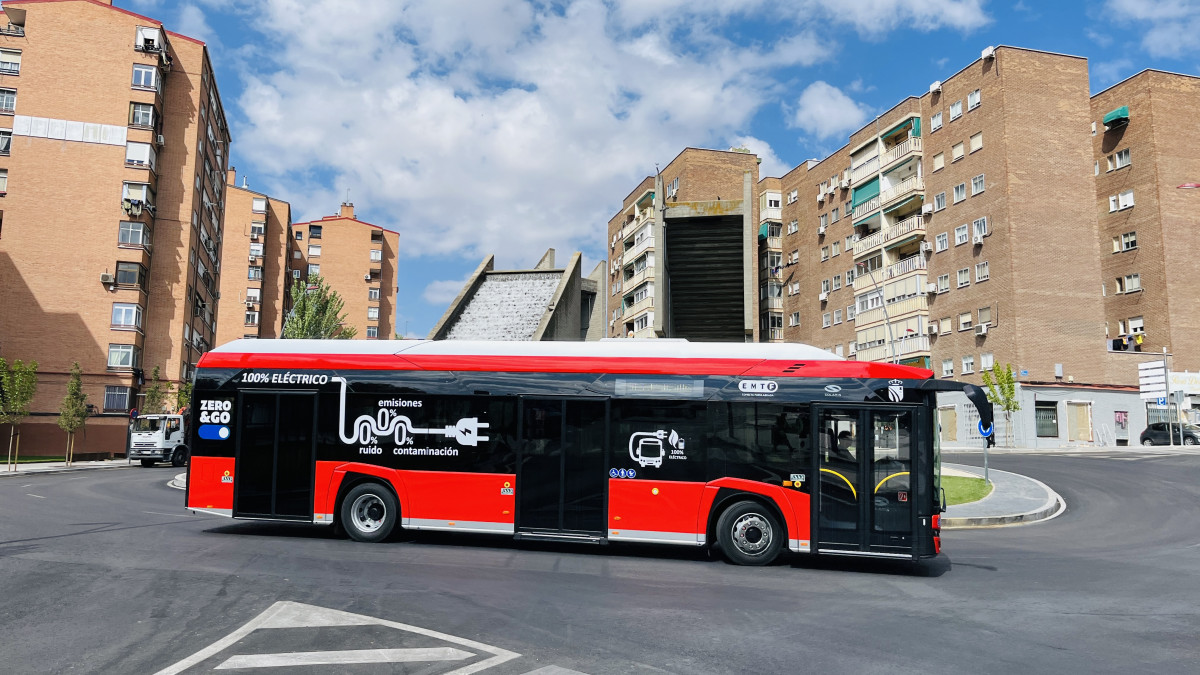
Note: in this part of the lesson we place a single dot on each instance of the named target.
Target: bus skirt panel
(655, 511)
(210, 485)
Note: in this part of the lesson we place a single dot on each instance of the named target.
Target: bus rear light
(937, 522)
(937, 544)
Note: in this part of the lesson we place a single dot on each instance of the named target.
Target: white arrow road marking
(285, 614)
(294, 659)
(554, 670)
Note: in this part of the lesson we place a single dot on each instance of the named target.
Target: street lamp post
(883, 305)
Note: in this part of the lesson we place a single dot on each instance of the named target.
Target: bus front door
(561, 474)
(865, 492)
(275, 455)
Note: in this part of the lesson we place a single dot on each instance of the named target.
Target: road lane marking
(30, 494)
(295, 659)
(173, 515)
(27, 485)
(287, 614)
(554, 670)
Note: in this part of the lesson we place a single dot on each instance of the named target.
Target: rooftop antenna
(347, 195)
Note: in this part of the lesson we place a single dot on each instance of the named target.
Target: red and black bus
(753, 448)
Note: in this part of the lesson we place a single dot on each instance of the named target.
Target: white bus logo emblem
(647, 447)
(895, 391)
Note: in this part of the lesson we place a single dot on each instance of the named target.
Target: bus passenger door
(561, 468)
(865, 494)
(275, 455)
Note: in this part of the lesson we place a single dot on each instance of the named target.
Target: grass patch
(36, 459)
(960, 489)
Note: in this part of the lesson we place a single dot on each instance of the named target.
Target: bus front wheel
(749, 534)
(369, 512)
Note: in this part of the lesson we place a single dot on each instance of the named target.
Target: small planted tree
(18, 384)
(1002, 391)
(72, 414)
(316, 312)
(183, 396)
(155, 396)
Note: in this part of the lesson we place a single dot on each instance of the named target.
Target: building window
(116, 399)
(955, 110)
(961, 236)
(947, 367)
(372, 294)
(964, 321)
(793, 227)
(299, 235)
(131, 275)
(372, 331)
(943, 283)
(1045, 416)
(968, 364)
(314, 250)
(837, 316)
(1096, 168)
(835, 249)
(8, 100)
(123, 357)
(956, 152)
(985, 316)
(987, 361)
(145, 77)
(964, 277)
(945, 325)
(977, 142)
(295, 274)
(256, 271)
(823, 220)
(960, 192)
(140, 154)
(138, 192)
(5, 141)
(126, 315)
(258, 228)
(793, 196)
(256, 249)
(939, 201)
(1120, 201)
(981, 272)
(253, 294)
(941, 242)
(935, 122)
(973, 100)
(373, 313)
(837, 282)
(643, 321)
(939, 161)
(10, 61)
(1118, 160)
(980, 226)
(141, 115)
(794, 319)
(296, 254)
(251, 318)
(1130, 283)
(133, 234)
(313, 270)
(849, 277)
(824, 253)
(314, 232)
(824, 285)
(1136, 325)
(1125, 242)
(977, 185)
(258, 205)
(826, 320)
(376, 255)
(1093, 128)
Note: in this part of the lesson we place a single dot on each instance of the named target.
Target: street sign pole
(1170, 422)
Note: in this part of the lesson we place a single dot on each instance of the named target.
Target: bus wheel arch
(368, 508)
(756, 514)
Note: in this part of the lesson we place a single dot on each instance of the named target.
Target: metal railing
(645, 275)
(903, 347)
(918, 303)
(902, 150)
(866, 207)
(639, 306)
(910, 184)
(864, 170)
(901, 229)
(862, 281)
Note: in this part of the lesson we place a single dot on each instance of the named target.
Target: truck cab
(159, 438)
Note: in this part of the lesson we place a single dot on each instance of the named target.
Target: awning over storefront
(1118, 116)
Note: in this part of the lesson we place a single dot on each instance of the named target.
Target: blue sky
(509, 126)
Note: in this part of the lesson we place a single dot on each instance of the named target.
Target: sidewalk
(35, 468)
(1014, 500)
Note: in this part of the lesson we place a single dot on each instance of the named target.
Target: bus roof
(660, 356)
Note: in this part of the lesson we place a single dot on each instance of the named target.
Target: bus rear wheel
(749, 534)
(369, 512)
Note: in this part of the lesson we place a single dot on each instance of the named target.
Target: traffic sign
(1152, 379)
(986, 432)
(1162, 400)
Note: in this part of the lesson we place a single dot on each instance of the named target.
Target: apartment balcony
(636, 280)
(647, 332)
(771, 273)
(915, 344)
(909, 227)
(637, 249)
(639, 306)
(903, 189)
(864, 281)
(864, 171)
(901, 152)
(775, 243)
(866, 207)
(894, 311)
(775, 335)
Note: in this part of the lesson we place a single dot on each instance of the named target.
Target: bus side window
(764, 441)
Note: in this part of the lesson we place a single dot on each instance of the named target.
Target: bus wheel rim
(369, 513)
(752, 534)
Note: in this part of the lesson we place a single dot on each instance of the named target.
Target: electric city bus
(751, 448)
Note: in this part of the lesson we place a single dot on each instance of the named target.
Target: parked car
(1184, 434)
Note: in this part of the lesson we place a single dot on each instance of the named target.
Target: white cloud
(824, 111)
(443, 292)
(1172, 27)
(770, 164)
(876, 17)
(192, 23)
(1105, 73)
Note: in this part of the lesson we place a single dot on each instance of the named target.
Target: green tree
(1002, 391)
(155, 400)
(18, 384)
(183, 396)
(72, 414)
(316, 312)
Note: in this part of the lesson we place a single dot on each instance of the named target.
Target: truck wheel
(369, 512)
(147, 463)
(179, 457)
(749, 534)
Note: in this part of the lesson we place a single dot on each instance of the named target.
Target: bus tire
(148, 463)
(369, 512)
(749, 534)
(179, 457)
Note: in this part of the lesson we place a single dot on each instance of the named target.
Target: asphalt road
(105, 572)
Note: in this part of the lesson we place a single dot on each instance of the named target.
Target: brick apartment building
(358, 260)
(993, 220)
(682, 251)
(113, 150)
(255, 251)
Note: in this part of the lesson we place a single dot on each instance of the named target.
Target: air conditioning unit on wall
(981, 329)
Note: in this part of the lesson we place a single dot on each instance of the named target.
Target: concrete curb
(179, 482)
(1053, 507)
(63, 469)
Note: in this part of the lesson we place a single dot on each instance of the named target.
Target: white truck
(159, 438)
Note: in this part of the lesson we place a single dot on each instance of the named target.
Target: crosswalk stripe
(294, 659)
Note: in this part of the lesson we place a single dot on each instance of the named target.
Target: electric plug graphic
(466, 431)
